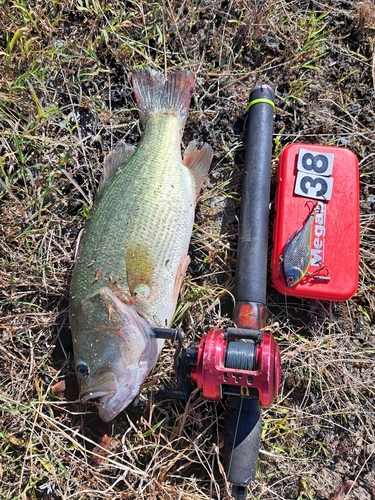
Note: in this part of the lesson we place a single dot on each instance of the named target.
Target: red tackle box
(309, 174)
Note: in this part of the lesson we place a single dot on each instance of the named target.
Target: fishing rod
(242, 363)
(243, 440)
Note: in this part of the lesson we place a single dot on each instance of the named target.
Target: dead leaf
(58, 389)
(66, 389)
(344, 488)
(101, 450)
(97, 275)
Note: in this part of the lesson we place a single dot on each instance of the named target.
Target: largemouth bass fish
(133, 254)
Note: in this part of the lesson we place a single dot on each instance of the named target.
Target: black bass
(133, 254)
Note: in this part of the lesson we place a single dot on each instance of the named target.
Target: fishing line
(240, 355)
(164, 41)
(286, 307)
(235, 436)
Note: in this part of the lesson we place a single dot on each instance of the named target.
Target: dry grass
(65, 100)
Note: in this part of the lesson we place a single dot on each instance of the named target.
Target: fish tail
(156, 94)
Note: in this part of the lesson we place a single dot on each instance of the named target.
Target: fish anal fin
(180, 275)
(198, 161)
(115, 159)
(139, 269)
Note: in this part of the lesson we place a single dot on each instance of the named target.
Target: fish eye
(82, 369)
(290, 279)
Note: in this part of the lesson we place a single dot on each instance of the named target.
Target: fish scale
(133, 253)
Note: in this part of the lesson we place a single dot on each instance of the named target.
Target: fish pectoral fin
(118, 157)
(198, 161)
(139, 269)
(180, 275)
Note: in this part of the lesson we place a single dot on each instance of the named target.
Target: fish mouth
(103, 386)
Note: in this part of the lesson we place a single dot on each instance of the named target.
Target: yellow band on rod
(257, 101)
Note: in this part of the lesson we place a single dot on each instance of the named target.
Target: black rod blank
(251, 272)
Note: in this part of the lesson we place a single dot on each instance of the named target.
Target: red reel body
(211, 374)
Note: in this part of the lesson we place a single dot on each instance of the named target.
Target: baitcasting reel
(231, 361)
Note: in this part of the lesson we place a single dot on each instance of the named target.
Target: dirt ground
(65, 101)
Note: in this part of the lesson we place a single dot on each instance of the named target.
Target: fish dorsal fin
(198, 161)
(113, 162)
(139, 268)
